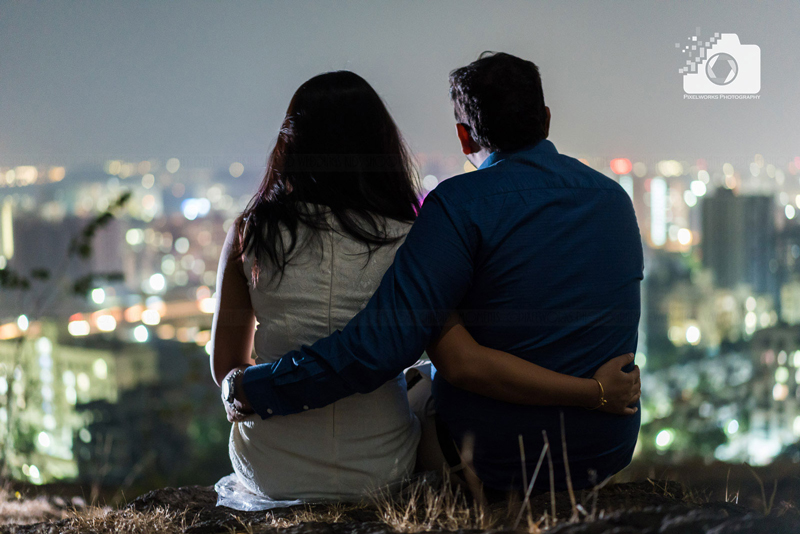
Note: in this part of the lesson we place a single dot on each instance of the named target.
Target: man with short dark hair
(539, 254)
(498, 101)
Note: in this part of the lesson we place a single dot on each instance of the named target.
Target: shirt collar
(543, 146)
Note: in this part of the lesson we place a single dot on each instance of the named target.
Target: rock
(636, 508)
(192, 497)
(682, 519)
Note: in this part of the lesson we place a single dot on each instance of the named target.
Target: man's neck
(477, 158)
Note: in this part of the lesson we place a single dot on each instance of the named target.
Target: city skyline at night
(132, 136)
(167, 241)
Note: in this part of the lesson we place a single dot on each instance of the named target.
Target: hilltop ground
(745, 501)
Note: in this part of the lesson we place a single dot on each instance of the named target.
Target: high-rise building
(774, 417)
(739, 240)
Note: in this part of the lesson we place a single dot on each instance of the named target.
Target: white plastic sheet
(233, 494)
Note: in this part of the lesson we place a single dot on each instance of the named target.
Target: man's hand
(621, 389)
(240, 409)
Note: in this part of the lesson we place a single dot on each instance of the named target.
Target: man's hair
(499, 98)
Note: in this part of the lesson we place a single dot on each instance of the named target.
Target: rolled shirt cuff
(258, 387)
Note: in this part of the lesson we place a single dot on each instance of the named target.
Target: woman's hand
(621, 389)
(240, 409)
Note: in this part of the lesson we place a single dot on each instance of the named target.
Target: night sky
(210, 81)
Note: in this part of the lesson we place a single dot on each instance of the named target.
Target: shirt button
(269, 410)
(305, 407)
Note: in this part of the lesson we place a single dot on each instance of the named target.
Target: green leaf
(40, 273)
(12, 280)
(85, 250)
(122, 200)
(82, 285)
(115, 277)
(103, 219)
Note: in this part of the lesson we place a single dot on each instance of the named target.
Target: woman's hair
(340, 152)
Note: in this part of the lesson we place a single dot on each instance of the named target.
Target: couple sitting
(521, 280)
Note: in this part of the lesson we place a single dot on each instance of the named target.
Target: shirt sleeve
(430, 275)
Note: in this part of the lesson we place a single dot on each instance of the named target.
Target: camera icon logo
(722, 69)
(722, 66)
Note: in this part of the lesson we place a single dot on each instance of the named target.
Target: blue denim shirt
(543, 258)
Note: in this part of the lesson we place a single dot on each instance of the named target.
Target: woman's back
(349, 447)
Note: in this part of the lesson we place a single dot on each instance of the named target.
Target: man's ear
(464, 137)
(547, 122)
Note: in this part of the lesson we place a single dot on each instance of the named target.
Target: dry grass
(330, 513)
(15, 510)
(163, 520)
(768, 504)
(101, 520)
(18, 510)
(423, 506)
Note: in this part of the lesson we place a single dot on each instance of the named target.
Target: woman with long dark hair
(337, 199)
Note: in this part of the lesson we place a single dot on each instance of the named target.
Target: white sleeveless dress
(353, 446)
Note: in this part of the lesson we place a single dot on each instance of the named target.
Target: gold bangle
(603, 400)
